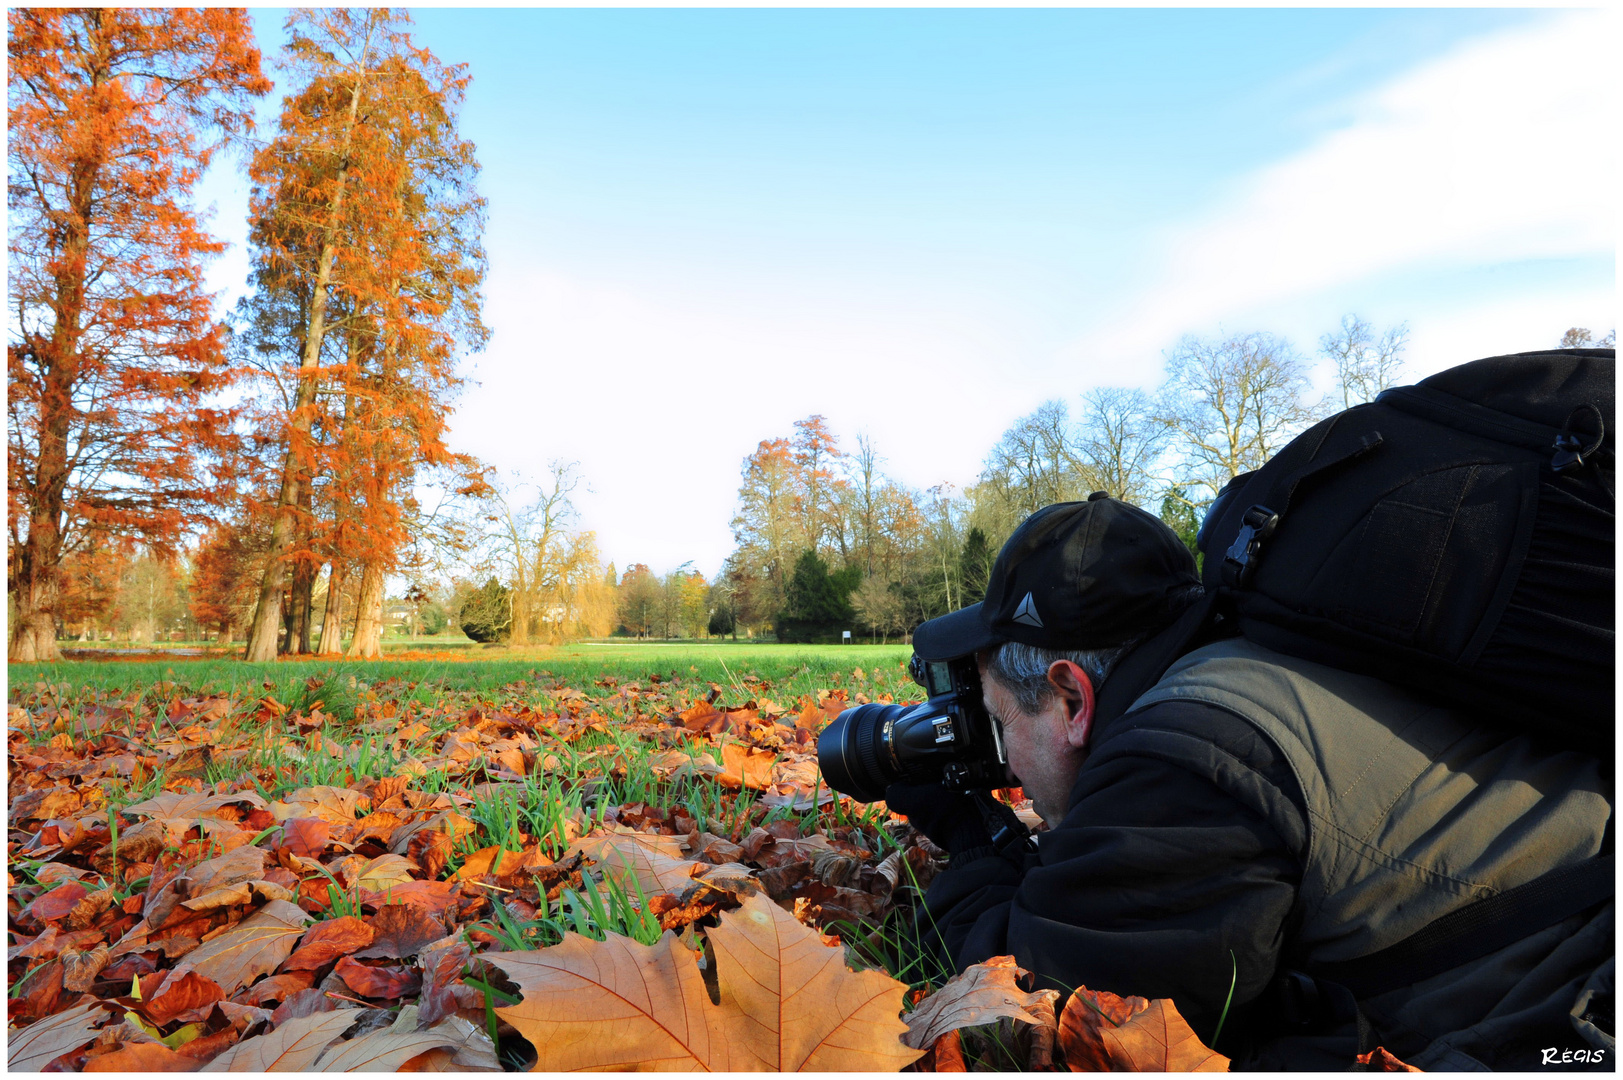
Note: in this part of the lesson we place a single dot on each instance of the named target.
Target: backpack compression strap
(1477, 929)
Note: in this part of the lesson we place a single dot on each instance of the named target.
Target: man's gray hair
(1023, 669)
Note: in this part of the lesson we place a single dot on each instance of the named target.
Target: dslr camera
(950, 738)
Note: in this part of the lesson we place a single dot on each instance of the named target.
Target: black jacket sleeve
(1172, 875)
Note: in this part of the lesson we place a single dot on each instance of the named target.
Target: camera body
(950, 737)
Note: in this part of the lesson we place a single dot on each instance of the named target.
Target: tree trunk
(368, 643)
(33, 570)
(262, 637)
(305, 569)
(518, 629)
(304, 584)
(332, 622)
(33, 635)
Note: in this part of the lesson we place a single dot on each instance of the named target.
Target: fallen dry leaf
(334, 804)
(474, 1051)
(981, 994)
(79, 969)
(780, 979)
(433, 895)
(293, 1047)
(746, 767)
(306, 836)
(31, 1048)
(146, 1057)
(327, 941)
(190, 804)
(498, 862)
(383, 873)
(377, 982)
(626, 860)
(1381, 1059)
(615, 1004)
(386, 1050)
(401, 930)
(787, 1002)
(1102, 1032)
(254, 947)
(181, 995)
(1081, 1025)
(276, 987)
(948, 1053)
(58, 903)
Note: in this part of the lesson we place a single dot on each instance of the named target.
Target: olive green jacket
(1414, 811)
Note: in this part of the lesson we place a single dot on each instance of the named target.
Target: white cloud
(1501, 150)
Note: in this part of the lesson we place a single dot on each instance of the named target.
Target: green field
(789, 669)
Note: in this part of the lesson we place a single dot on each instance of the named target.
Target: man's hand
(950, 819)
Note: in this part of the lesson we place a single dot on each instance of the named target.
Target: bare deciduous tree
(1121, 442)
(880, 605)
(1365, 364)
(1231, 404)
(530, 545)
(1035, 463)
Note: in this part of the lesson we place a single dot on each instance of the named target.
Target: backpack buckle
(1300, 1003)
(1240, 561)
(1569, 452)
(1569, 443)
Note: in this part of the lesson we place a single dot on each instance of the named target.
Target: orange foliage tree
(794, 497)
(115, 356)
(223, 568)
(367, 235)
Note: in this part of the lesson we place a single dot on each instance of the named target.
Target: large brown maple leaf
(787, 1003)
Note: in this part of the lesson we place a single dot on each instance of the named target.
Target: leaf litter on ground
(481, 879)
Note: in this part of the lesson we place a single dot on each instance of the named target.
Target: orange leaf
(253, 947)
(699, 716)
(949, 1053)
(747, 766)
(1381, 1059)
(190, 991)
(307, 836)
(142, 1058)
(1088, 1014)
(401, 930)
(498, 861)
(377, 982)
(58, 903)
(787, 1002)
(276, 987)
(1102, 1032)
(982, 994)
(327, 941)
(433, 895)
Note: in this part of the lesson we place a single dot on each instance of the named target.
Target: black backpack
(1454, 536)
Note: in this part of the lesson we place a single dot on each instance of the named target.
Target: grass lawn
(789, 669)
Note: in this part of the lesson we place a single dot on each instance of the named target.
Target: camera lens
(870, 747)
(853, 751)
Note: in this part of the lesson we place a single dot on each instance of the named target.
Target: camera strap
(1010, 837)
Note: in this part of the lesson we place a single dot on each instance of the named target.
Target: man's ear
(1075, 688)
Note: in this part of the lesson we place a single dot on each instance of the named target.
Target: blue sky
(921, 223)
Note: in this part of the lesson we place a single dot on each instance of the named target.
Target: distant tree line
(826, 542)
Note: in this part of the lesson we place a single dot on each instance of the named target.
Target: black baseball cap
(1075, 575)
